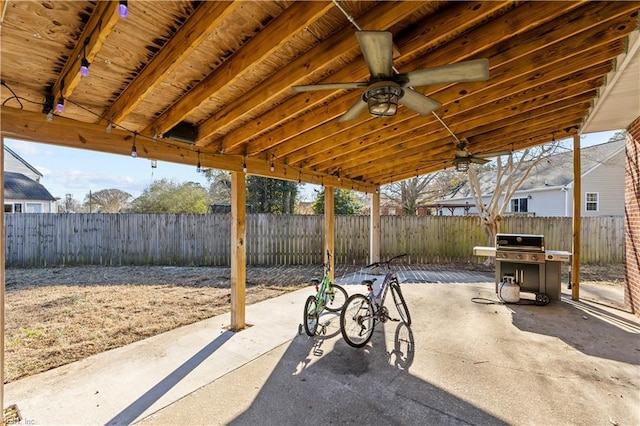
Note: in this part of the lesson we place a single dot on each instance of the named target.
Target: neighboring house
(23, 192)
(548, 190)
(388, 207)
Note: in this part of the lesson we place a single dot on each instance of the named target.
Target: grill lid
(520, 242)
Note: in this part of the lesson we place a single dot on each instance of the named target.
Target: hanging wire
(16, 97)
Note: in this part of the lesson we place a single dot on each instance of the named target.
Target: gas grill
(522, 258)
(520, 248)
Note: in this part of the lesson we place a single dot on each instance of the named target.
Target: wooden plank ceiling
(224, 71)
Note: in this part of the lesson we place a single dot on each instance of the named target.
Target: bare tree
(107, 200)
(70, 205)
(510, 175)
(408, 193)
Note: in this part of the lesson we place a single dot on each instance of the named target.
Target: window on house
(17, 208)
(591, 199)
(519, 205)
(34, 208)
(8, 208)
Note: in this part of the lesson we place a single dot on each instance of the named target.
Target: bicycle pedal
(394, 319)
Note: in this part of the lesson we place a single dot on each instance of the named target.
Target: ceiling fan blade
(478, 160)
(377, 49)
(418, 102)
(328, 86)
(475, 70)
(354, 111)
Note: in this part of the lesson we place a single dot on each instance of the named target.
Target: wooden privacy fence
(39, 239)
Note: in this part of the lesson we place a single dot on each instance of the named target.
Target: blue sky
(76, 171)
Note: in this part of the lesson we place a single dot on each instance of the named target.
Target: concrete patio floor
(462, 361)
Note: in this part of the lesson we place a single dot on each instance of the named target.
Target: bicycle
(328, 296)
(360, 313)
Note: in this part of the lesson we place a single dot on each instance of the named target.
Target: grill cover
(520, 242)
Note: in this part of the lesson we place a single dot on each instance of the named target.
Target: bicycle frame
(328, 296)
(322, 288)
(378, 300)
(362, 312)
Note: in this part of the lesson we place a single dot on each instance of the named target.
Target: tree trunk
(491, 226)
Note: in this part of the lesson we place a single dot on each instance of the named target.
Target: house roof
(22, 160)
(225, 71)
(554, 171)
(19, 187)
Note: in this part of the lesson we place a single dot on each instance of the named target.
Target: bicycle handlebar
(387, 262)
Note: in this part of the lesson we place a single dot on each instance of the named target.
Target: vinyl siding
(608, 181)
(549, 203)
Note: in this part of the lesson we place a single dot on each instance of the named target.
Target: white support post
(577, 211)
(374, 230)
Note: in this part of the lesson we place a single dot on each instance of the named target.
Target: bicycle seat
(314, 281)
(368, 283)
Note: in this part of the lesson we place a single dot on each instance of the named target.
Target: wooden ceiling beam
(304, 102)
(505, 88)
(335, 131)
(460, 49)
(100, 24)
(546, 133)
(468, 120)
(395, 175)
(438, 31)
(576, 103)
(417, 144)
(273, 37)
(503, 67)
(572, 119)
(315, 59)
(554, 68)
(447, 151)
(32, 126)
(201, 23)
(500, 138)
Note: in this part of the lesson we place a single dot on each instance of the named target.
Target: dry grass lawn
(55, 316)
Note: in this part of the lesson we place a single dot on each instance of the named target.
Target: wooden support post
(238, 250)
(577, 203)
(374, 230)
(329, 227)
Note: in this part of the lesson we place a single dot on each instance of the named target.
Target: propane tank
(509, 290)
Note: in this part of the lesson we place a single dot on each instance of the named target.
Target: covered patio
(462, 361)
(211, 84)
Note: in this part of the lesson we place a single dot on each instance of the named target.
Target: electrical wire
(16, 97)
(20, 98)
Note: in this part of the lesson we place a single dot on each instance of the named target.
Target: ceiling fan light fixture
(462, 164)
(382, 98)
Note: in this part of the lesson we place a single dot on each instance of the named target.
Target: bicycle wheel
(311, 316)
(336, 298)
(401, 305)
(357, 321)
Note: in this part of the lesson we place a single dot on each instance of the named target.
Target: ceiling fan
(386, 88)
(463, 158)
